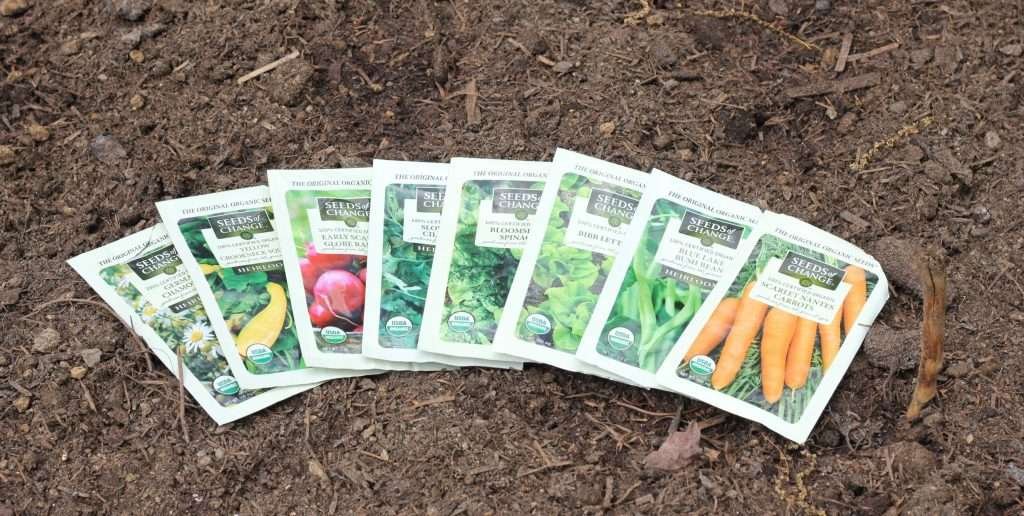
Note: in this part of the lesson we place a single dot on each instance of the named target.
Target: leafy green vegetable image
(480, 276)
(567, 280)
(242, 296)
(653, 306)
(189, 329)
(747, 384)
(405, 273)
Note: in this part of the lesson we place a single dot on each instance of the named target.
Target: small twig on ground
(635, 17)
(862, 160)
(545, 467)
(266, 68)
(873, 53)
(433, 401)
(676, 419)
(841, 86)
(733, 13)
(472, 104)
(138, 342)
(88, 396)
(623, 404)
(844, 52)
(933, 333)
(181, 393)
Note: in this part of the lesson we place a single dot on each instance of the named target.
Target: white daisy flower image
(195, 336)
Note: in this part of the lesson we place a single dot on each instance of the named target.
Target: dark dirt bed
(724, 102)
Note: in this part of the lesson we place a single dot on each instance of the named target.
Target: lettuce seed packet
(583, 215)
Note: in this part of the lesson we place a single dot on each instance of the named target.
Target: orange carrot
(779, 327)
(749, 316)
(856, 298)
(830, 340)
(801, 349)
(715, 330)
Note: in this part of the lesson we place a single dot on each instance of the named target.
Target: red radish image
(341, 292)
(335, 287)
(319, 315)
(327, 261)
(309, 274)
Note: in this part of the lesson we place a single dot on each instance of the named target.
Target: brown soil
(700, 96)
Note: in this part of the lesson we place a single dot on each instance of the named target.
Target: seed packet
(582, 219)
(228, 243)
(140, 276)
(677, 248)
(324, 252)
(772, 343)
(405, 215)
(489, 211)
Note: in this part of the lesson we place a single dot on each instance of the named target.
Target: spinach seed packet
(490, 208)
(405, 217)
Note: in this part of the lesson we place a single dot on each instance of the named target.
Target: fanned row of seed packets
(642, 278)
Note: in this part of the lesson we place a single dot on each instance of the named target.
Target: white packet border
(463, 170)
(87, 266)
(505, 339)
(280, 183)
(660, 186)
(386, 172)
(818, 240)
(171, 212)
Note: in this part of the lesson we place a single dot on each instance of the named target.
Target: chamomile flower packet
(323, 247)
(675, 252)
(772, 342)
(228, 243)
(490, 206)
(140, 276)
(405, 216)
(582, 220)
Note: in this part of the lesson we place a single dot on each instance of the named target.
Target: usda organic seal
(259, 354)
(333, 335)
(538, 324)
(702, 365)
(461, 322)
(621, 338)
(398, 326)
(225, 385)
